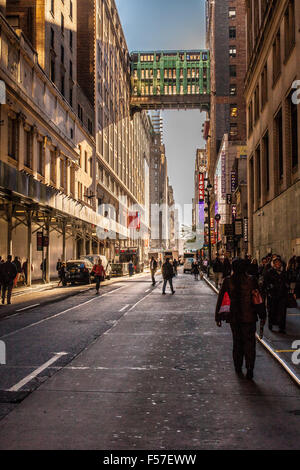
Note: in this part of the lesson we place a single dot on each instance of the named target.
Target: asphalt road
(138, 370)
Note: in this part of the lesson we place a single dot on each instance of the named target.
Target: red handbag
(224, 312)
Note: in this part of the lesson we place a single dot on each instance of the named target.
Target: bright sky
(171, 24)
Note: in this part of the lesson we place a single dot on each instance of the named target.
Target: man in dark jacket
(9, 272)
(243, 315)
(168, 273)
(277, 288)
(218, 269)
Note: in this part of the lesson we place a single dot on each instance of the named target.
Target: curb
(266, 345)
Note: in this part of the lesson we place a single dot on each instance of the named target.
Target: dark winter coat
(9, 272)
(242, 309)
(167, 271)
(276, 284)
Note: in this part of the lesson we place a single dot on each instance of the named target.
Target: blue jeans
(170, 281)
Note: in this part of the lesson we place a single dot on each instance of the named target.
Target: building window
(52, 168)
(28, 149)
(264, 87)
(279, 143)
(232, 13)
(256, 104)
(289, 28)
(62, 24)
(52, 38)
(233, 111)
(71, 69)
(62, 84)
(232, 51)
(62, 54)
(52, 69)
(232, 70)
(80, 113)
(250, 118)
(40, 158)
(71, 10)
(91, 166)
(266, 156)
(62, 173)
(52, 7)
(233, 89)
(85, 162)
(276, 58)
(71, 96)
(90, 126)
(13, 138)
(232, 32)
(233, 130)
(292, 130)
(258, 174)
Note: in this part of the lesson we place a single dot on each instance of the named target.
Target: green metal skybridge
(170, 79)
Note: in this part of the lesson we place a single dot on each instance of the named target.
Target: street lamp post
(217, 219)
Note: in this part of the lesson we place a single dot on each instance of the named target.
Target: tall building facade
(273, 121)
(122, 142)
(74, 165)
(225, 130)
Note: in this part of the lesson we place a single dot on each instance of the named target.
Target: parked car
(94, 260)
(79, 271)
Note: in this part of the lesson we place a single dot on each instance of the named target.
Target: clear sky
(171, 24)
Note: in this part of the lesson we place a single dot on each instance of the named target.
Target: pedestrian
(130, 268)
(153, 269)
(1, 273)
(175, 266)
(218, 270)
(62, 274)
(99, 273)
(58, 265)
(226, 266)
(43, 269)
(242, 317)
(168, 273)
(297, 288)
(277, 288)
(9, 272)
(292, 274)
(195, 270)
(18, 266)
(253, 268)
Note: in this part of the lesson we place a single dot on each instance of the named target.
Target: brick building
(273, 122)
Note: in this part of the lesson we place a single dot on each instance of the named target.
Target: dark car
(79, 271)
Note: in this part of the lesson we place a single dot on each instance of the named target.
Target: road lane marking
(138, 302)
(122, 309)
(285, 350)
(58, 314)
(26, 308)
(31, 376)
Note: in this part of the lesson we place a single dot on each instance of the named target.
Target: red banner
(201, 187)
(134, 220)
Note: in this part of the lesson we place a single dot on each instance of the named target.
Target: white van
(94, 260)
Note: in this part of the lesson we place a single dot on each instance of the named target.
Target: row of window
(285, 129)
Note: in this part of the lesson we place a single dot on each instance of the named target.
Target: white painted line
(138, 302)
(58, 314)
(281, 361)
(26, 308)
(122, 309)
(148, 290)
(31, 376)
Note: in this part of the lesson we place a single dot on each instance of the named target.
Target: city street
(133, 369)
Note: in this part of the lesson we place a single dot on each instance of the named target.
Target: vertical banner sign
(233, 210)
(39, 241)
(223, 175)
(201, 187)
(228, 199)
(245, 229)
(45, 241)
(212, 231)
(233, 181)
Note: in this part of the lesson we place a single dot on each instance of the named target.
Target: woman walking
(277, 287)
(99, 273)
(243, 315)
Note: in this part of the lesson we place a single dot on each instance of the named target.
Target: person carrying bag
(99, 273)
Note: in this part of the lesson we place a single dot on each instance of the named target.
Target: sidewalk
(282, 347)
